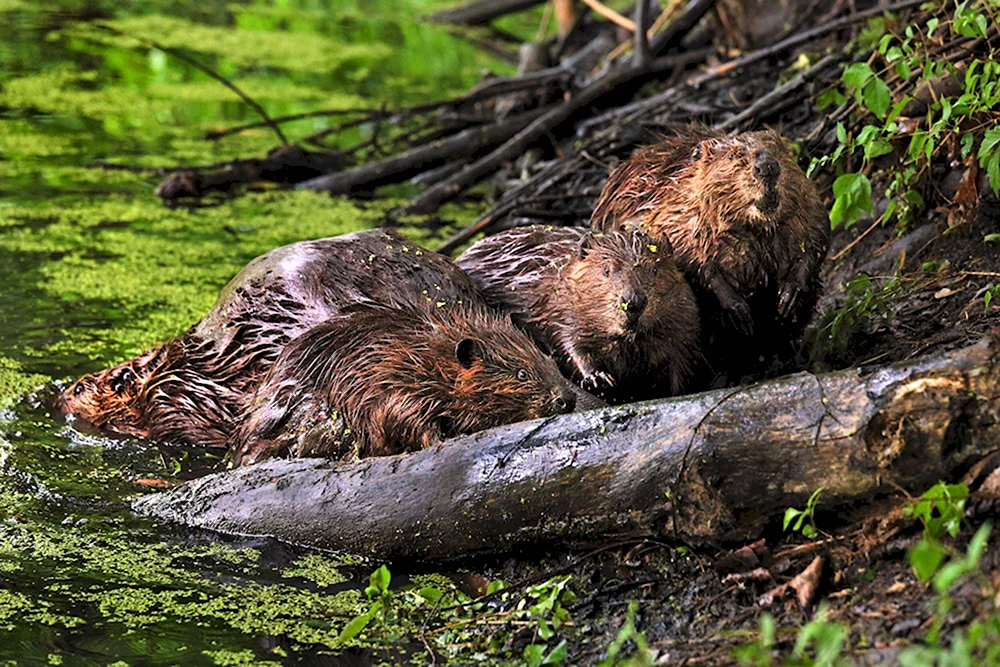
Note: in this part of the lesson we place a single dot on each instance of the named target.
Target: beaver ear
(467, 351)
(584, 246)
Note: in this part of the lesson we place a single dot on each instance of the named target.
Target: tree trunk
(704, 468)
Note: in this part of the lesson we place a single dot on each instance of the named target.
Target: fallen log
(712, 467)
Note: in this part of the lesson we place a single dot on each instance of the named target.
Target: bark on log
(707, 468)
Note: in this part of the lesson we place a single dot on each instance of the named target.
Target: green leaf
(841, 133)
(545, 631)
(533, 654)
(557, 656)
(989, 156)
(857, 75)
(992, 238)
(790, 515)
(828, 98)
(378, 582)
(877, 148)
(495, 585)
(877, 97)
(967, 140)
(358, 623)
(949, 574)
(853, 194)
(925, 556)
(903, 70)
(430, 594)
(977, 545)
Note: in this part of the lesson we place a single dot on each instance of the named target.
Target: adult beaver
(613, 308)
(191, 389)
(746, 225)
(378, 380)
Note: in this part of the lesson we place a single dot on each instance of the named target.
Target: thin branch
(610, 14)
(204, 69)
(641, 57)
(767, 101)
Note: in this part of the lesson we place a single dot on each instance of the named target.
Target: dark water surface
(93, 269)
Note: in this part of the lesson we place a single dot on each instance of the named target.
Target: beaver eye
(522, 375)
(732, 154)
(126, 376)
(118, 386)
(78, 390)
(607, 271)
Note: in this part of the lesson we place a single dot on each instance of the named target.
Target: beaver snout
(633, 303)
(565, 401)
(766, 168)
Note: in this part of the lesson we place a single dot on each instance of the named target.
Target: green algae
(14, 381)
(97, 269)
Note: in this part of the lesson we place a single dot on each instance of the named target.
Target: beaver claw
(739, 315)
(594, 380)
(788, 298)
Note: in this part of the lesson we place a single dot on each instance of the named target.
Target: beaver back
(378, 380)
(616, 300)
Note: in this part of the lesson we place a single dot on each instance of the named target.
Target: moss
(14, 382)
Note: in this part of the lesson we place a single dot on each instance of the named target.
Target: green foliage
(796, 517)
(880, 149)
(819, 643)
(940, 509)
(865, 300)
(825, 638)
(640, 656)
(760, 651)
(991, 293)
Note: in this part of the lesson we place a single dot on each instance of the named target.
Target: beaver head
(109, 398)
(750, 177)
(607, 280)
(494, 373)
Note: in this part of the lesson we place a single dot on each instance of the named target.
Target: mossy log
(712, 467)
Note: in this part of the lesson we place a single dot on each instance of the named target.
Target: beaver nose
(565, 401)
(633, 303)
(766, 168)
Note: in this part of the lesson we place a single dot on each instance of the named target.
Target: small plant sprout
(797, 518)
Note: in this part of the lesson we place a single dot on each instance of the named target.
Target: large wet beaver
(746, 225)
(378, 380)
(613, 308)
(191, 389)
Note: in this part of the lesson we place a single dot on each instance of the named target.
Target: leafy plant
(952, 122)
(940, 509)
(378, 592)
(820, 642)
(796, 517)
(825, 637)
(865, 299)
(759, 652)
(640, 657)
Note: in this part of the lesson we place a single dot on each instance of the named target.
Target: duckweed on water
(96, 270)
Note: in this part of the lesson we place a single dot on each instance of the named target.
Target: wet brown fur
(190, 389)
(613, 308)
(754, 244)
(378, 380)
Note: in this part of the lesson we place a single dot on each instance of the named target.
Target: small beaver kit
(746, 225)
(378, 380)
(613, 308)
(190, 390)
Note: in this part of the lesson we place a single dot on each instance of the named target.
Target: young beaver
(378, 380)
(746, 225)
(190, 389)
(613, 308)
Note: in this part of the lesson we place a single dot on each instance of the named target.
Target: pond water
(94, 269)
